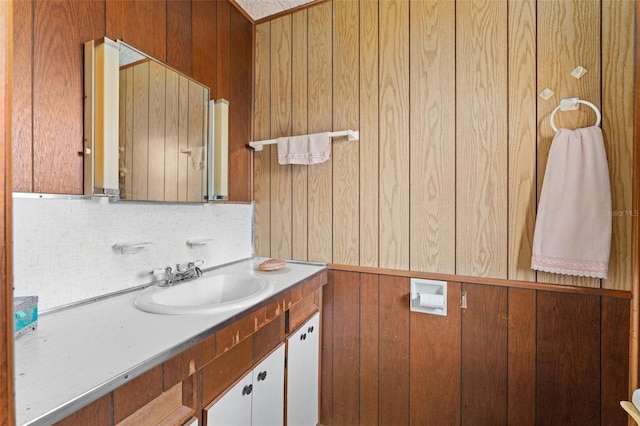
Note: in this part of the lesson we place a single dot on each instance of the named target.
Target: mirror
(158, 129)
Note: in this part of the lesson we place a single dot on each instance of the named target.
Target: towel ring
(580, 101)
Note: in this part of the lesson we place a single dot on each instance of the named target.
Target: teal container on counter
(25, 314)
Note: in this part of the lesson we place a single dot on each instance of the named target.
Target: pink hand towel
(573, 226)
(305, 149)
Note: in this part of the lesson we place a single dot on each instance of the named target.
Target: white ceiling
(259, 9)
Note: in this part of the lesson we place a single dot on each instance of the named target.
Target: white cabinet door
(234, 408)
(268, 391)
(302, 374)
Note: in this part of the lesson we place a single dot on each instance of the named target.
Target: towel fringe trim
(303, 158)
(593, 269)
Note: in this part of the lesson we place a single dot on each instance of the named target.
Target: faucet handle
(183, 267)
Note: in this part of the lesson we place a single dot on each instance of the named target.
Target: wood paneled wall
(514, 356)
(453, 136)
(195, 37)
(7, 407)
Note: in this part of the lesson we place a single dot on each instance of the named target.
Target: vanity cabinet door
(256, 400)
(234, 408)
(302, 374)
(268, 391)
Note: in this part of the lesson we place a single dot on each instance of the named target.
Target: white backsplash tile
(63, 249)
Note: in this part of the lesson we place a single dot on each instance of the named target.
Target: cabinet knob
(310, 329)
(303, 336)
(247, 390)
(262, 375)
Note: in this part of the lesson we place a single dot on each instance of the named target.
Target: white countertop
(80, 354)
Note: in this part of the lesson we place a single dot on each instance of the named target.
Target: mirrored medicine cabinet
(149, 129)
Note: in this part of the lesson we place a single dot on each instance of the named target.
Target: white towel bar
(352, 135)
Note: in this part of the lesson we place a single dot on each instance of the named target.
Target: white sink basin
(208, 294)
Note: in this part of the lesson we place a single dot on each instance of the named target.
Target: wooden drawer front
(302, 310)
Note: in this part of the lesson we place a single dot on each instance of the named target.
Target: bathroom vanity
(108, 363)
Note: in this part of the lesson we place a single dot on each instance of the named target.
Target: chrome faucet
(182, 273)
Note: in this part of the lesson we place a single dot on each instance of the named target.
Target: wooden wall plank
(22, 97)
(568, 31)
(7, 328)
(568, 359)
(157, 115)
(394, 134)
(179, 36)
(346, 159)
(223, 49)
(280, 126)
(369, 359)
(484, 356)
(435, 350)
(262, 130)
(58, 138)
(481, 138)
(369, 137)
(299, 99)
(615, 360)
(346, 343)
(433, 148)
(115, 11)
(393, 371)
(326, 359)
(319, 113)
(142, 24)
(299, 91)
(240, 94)
(521, 373)
(618, 104)
(203, 27)
(522, 137)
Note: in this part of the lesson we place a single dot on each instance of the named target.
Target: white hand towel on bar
(304, 149)
(573, 225)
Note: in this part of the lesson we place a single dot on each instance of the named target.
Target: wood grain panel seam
(33, 73)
